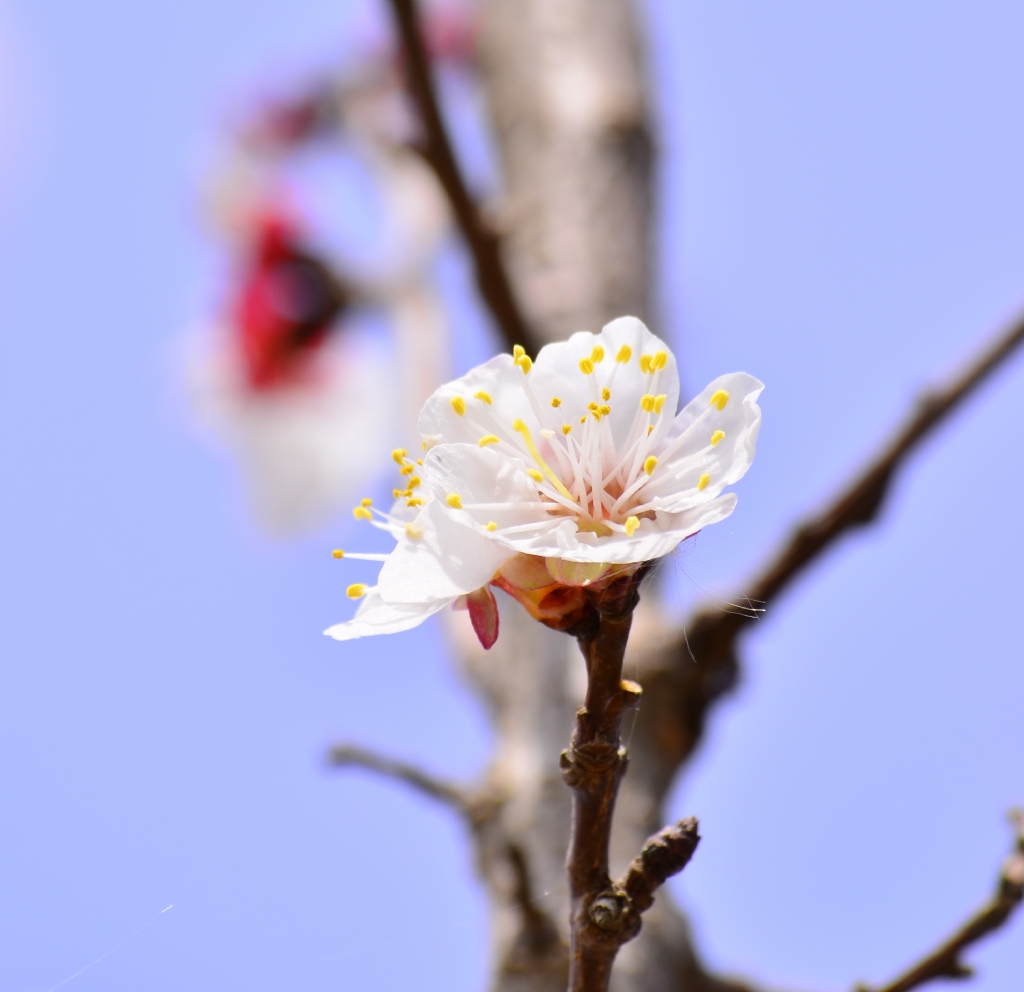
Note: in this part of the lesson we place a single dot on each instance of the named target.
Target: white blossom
(555, 474)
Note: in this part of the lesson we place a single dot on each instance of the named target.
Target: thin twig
(710, 637)
(946, 961)
(491, 277)
(436, 788)
(604, 915)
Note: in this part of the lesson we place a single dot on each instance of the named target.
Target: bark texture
(567, 93)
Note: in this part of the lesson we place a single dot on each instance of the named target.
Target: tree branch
(945, 962)
(709, 639)
(603, 916)
(491, 277)
(422, 781)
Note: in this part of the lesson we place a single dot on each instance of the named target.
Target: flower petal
(374, 616)
(446, 561)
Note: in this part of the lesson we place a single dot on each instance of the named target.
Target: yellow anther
(586, 366)
(361, 513)
(407, 469)
(719, 398)
(483, 397)
(366, 501)
(491, 525)
(604, 410)
(337, 553)
(535, 475)
(566, 428)
(645, 364)
(650, 429)
(525, 363)
(414, 501)
(520, 428)
(414, 481)
(356, 591)
(399, 455)
(631, 525)
(419, 461)
(454, 500)
(423, 445)
(556, 402)
(459, 405)
(659, 361)
(647, 402)
(593, 407)
(597, 355)
(650, 464)
(517, 352)
(397, 493)
(583, 420)
(659, 402)
(702, 482)
(625, 354)
(716, 437)
(413, 530)
(606, 393)
(488, 439)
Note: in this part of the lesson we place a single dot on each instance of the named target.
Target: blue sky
(841, 215)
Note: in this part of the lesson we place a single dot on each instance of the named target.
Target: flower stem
(602, 917)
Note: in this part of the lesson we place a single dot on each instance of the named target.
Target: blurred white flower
(546, 478)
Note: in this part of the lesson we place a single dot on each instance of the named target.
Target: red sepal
(483, 614)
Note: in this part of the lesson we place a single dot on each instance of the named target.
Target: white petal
(501, 380)
(374, 616)
(556, 373)
(676, 477)
(447, 561)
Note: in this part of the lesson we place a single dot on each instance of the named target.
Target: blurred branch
(710, 637)
(491, 276)
(423, 782)
(945, 962)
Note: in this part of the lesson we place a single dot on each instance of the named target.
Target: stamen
(517, 352)
(659, 361)
(604, 410)
(546, 433)
(414, 501)
(566, 428)
(535, 475)
(583, 420)
(659, 402)
(366, 501)
(525, 363)
(556, 402)
(647, 401)
(459, 405)
(454, 500)
(716, 437)
(606, 393)
(405, 470)
(650, 464)
(645, 364)
(650, 429)
(356, 591)
(361, 513)
(624, 355)
(337, 553)
(524, 431)
(631, 525)
(491, 526)
(397, 493)
(483, 397)
(702, 482)
(413, 531)
(488, 439)
(719, 398)
(597, 355)
(414, 481)
(399, 455)
(586, 366)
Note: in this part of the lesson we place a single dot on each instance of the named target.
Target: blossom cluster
(544, 478)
